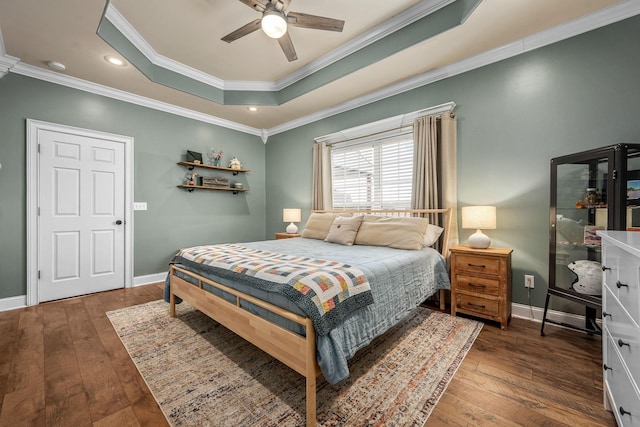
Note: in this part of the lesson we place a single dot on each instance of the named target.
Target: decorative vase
(216, 161)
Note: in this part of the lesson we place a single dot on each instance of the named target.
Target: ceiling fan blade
(242, 31)
(287, 47)
(259, 5)
(315, 22)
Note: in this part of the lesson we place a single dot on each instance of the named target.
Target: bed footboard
(296, 351)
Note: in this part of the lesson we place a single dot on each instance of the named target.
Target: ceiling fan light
(274, 24)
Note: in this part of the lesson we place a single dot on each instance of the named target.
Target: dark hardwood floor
(61, 364)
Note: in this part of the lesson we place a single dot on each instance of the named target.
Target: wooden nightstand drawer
(477, 264)
(472, 304)
(478, 285)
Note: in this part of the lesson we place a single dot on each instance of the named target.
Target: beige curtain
(434, 167)
(321, 194)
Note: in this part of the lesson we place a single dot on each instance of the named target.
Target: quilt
(326, 291)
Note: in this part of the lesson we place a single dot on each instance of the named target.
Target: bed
(292, 331)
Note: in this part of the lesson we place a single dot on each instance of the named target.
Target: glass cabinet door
(581, 209)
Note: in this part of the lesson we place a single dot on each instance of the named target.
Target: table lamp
(291, 216)
(480, 218)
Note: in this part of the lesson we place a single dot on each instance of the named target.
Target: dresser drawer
(479, 285)
(623, 332)
(623, 278)
(477, 305)
(477, 264)
(620, 386)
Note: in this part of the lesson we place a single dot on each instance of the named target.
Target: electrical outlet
(528, 281)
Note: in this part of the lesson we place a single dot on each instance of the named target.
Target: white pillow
(432, 235)
(319, 223)
(344, 230)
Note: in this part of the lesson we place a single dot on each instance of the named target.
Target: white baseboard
(149, 278)
(535, 314)
(12, 303)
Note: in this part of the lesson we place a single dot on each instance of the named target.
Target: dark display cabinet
(592, 190)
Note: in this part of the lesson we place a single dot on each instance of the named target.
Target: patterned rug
(202, 374)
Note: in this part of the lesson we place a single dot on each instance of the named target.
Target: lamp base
(292, 228)
(479, 240)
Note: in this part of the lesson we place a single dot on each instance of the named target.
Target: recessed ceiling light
(58, 66)
(115, 60)
(254, 109)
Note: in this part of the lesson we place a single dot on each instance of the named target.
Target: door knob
(119, 222)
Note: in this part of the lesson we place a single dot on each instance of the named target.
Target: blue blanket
(400, 280)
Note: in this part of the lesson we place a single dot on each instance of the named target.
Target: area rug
(201, 374)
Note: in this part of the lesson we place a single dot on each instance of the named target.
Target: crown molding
(558, 33)
(407, 17)
(97, 89)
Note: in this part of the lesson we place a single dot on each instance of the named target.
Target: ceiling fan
(274, 22)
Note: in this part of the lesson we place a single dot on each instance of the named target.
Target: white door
(81, 221)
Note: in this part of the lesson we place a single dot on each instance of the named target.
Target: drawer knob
(605, 314)
(605, 268)
(622, 343)
(607, 367)
(476, 305)
(476, 265)
(623, 412)
(620, 285)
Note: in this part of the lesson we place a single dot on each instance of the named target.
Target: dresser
(481, 283)
(621, 324)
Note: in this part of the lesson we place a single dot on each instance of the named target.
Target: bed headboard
(444, 216)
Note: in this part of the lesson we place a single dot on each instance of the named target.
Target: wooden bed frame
(296, 351)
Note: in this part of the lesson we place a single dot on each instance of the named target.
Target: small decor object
(234, 163)
(589, 279)
(215, 157)
(291, 216)
(191, 178)
(215, 181)
(237, 185)
(194, 157)
(480, 218)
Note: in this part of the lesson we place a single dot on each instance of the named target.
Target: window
(374, 174)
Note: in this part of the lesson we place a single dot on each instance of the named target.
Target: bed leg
(311, 374)
(172, 305)
(311, 401)
(442, 298)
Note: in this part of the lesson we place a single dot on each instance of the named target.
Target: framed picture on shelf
(194, 157)
(590, 236)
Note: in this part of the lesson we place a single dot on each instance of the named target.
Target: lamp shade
(479, 217)
(291, 215)
(273, 23)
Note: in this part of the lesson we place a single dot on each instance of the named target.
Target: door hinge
(38, 148)
(38, 210)
(615, 174)
(38, 274)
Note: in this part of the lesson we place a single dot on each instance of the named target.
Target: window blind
(376, 174)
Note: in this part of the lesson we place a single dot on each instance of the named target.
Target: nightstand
(481, 283)
(287, 235)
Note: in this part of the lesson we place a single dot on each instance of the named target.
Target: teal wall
(513, 117)
(174, 219)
